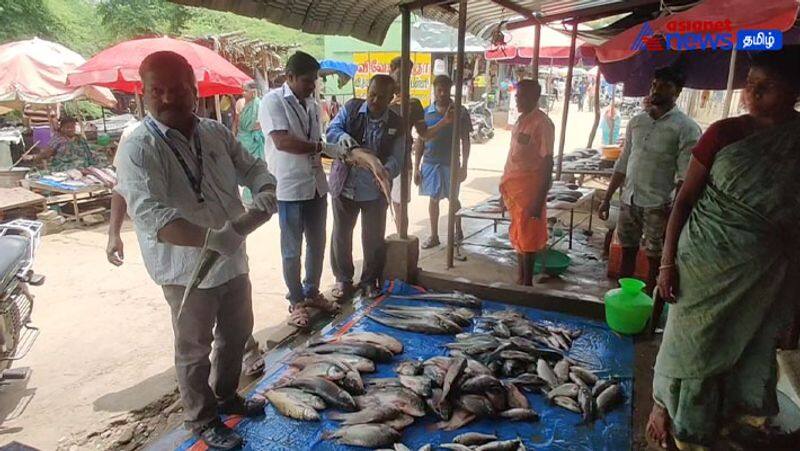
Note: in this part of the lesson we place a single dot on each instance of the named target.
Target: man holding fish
(370, 125)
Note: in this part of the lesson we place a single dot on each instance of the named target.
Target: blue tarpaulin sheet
(601, 350)
(346, 71)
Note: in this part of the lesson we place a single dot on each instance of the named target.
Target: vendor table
(91, 192)
(583, 173)
(554, 210)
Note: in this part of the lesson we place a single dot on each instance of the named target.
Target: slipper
(342, 291)
(431, 242)
(298, 317)
(322, 303)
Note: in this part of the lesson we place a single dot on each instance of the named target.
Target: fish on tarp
(544, 371)
(568, 389)
(309, 399)
(399, 397)
(437, 327)
(401, 447)
(289, 406)
(372, 414)
(501, 330)
(352, 382)
(477, 404)
(474, 438)
(459, 419)
(561, 370)
(376, 353)
(512, 368)
(366, 435)
(327, 370)
(567, 403)
(453, 375)
(519, 414)
(435, 373)
(455, 447)
(602, 385)
(514, 397)
(528, 380)
(587, 376)
(356, 362)
(331, 393)
(574, 377)
(438, 405)
(586, 401)
(409, 368)
(400, 422)
(497, 397)
(426, 447)
(476, 368)
(453, 298)
(389, 342)
(420, 385)
(383, 382)
(480, 384)
(500, 445)
(608, 398)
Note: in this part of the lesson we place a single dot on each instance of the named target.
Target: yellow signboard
(372, 63)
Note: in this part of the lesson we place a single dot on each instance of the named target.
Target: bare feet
(658, 426)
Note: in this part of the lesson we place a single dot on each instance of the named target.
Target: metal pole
(537, 42)
(217, 109)
(596, 108)
(103, 112)
(455, 150)
(729, 92)
(567, 95)
(405, 99)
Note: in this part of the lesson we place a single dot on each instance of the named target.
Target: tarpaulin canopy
(706, 68)
(345, 71)
(553, 48)
(117, 67)
(35, 71)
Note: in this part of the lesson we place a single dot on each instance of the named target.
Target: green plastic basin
(557, 263)
(628, 308)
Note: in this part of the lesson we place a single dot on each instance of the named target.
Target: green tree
(25, 19)
(129, 18)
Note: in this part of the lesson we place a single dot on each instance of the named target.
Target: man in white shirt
(180, 176)
(290, 119)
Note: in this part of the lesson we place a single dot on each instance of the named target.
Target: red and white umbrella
(117, 67)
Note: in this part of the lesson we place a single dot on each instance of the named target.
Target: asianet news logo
(702, 34)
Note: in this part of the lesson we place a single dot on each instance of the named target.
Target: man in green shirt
(652, 166)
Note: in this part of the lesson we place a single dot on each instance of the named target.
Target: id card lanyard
(195, 182)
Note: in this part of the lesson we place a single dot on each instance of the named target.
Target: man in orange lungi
(527, 177)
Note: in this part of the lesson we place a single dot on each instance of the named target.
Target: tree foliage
(130, 18)
(25, 19)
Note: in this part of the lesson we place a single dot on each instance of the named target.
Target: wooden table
(16, 198)
(93, 192)
(554, 210)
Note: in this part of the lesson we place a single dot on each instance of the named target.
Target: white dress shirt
(158, 191)
(300, 177)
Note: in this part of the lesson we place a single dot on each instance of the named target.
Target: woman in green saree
(733, 245)
(248, 130)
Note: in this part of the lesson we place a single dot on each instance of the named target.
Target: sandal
(322, 303)
(342, 291)
(431, 242)
(298, 316)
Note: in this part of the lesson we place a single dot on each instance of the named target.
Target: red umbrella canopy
(117, 67)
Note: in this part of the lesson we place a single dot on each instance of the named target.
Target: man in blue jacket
(370, 125)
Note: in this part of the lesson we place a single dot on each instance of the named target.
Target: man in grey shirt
(180, 176)
(652, 166)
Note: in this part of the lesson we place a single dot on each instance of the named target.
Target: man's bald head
(169, 88)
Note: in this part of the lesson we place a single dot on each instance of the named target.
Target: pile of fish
(577, 389)
(328, 374)
(451, 319)
(470, 441)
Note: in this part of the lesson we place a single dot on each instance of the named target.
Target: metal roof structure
(369, 21)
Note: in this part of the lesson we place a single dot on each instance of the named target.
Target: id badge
(316, 161)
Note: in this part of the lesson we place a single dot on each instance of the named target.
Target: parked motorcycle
(482, 122)
(19, 240)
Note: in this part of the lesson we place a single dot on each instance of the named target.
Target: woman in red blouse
(723, 213)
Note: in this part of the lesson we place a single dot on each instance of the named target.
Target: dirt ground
(106, 343)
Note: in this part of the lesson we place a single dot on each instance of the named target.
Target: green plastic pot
(557, 263)
(628, 308)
